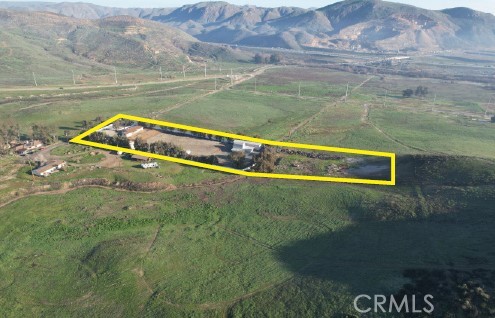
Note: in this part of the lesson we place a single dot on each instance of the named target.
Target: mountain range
(373, 25)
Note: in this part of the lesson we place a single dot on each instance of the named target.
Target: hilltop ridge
(351, 24)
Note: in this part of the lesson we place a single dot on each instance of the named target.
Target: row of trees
(421, 91)
(88, 123)
(159, 147)
(171, 150)
(265, 161)
(102, 138)
(267, 59)
(201, 135)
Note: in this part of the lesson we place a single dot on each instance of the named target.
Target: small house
(28, 147)
(34, 144)
(246, 146)
(50, 168)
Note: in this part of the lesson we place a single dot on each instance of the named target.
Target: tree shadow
(67, 128)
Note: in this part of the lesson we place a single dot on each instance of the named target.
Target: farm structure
(27, 147)
(197, 146)
(49, 168)
(246, 146)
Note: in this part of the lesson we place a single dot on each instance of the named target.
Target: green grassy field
(215, 245)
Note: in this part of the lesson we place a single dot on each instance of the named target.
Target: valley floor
(105, 237)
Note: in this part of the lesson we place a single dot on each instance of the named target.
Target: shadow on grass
(68, 128)
(448, 254)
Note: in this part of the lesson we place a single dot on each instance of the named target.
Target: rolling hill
(351, 24)
(52, 44)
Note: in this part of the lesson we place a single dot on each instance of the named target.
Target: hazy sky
(482, 5)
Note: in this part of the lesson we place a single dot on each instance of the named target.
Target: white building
(49, 168)
(246, 146)
(28, 147)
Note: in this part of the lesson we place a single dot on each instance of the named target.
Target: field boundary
(80, 140)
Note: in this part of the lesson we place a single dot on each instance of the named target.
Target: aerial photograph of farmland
(247, 158)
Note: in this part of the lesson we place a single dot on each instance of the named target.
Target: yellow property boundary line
(79, 140)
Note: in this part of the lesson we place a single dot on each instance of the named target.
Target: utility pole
(384, 97)
(347, 92)
(299, 93)
(215, 83)
(161, 74)
(31, 166)
(184, 71)
(115, 75)
(73, 78)
(35, 83)
(231, 77)
(488, 105)
(205, 70)
(255, 88)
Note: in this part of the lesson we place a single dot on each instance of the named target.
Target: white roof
(242, 143)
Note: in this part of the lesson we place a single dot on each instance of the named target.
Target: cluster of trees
(11, 132)
(8, 132)
(309, 154)
(88, 123)
(493, 119)
(421, 91)
(212, 160)
(103, 138)
(265, 161)
(166, 149)
(238, 159)
(267, 59)
(44, 134)
(171, 150)
(198, 134)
